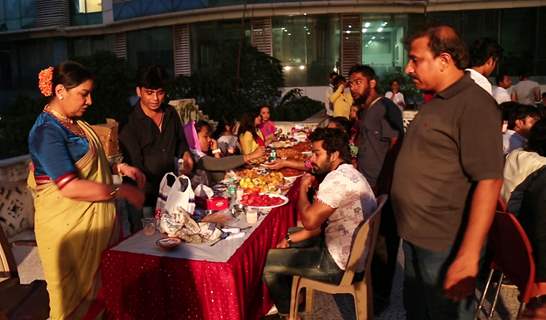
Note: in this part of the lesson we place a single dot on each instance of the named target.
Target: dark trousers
(424, 275)
(313, 262)
(384, 259)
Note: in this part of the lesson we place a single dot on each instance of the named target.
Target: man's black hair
(367, 71)
(537, 138)
(333, 140)
(442, 39)
(152, 77)
(500, 77)
(483, 49)
(520, 112)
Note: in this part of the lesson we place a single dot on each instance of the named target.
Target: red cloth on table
(137, 286)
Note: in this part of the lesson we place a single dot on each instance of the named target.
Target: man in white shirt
(526, 91)
(500, 92)
(484, 55)
(520, 122)
(344, 199)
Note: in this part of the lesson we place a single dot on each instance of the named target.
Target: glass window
(86, 46)
(308, 48)
(382, 42)
(150, 46)
(17, 14)
(87, 6)
(85, 12)
(208, 38)
(518, 29)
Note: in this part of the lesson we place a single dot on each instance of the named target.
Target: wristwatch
(288, 240)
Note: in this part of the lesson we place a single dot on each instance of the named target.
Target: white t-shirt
(524, 91)
(518, 166)
(501, 95)
(346, 190)
(398, 99)
(327, 104)
(480, 80)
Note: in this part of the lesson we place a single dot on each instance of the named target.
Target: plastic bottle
(272, 155)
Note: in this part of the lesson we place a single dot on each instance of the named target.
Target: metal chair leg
(521, 308)
(484, 294)
(499, 286)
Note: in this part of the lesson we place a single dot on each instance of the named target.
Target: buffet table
(139, 281)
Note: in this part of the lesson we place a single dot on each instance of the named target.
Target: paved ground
(324, 307)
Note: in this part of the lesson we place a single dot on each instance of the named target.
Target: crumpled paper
(180, 224)
(203, 191)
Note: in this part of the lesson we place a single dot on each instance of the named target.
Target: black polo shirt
(454, 141)
(152, 151)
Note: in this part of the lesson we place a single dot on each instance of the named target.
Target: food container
(214, 203)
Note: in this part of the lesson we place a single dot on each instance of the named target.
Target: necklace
(65, 121)
(160, 124)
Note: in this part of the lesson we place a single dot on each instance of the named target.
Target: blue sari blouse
(54, 149)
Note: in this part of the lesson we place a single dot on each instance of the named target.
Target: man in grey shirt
(447, 179)
(380, 131)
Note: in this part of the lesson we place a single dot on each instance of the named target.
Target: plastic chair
(362, 247)
(19, 301)
(512, 255)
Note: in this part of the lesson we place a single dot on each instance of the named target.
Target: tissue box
(214, 203)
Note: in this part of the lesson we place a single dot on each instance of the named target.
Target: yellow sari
(72, 235)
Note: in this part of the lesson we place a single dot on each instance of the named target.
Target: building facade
(310, 38)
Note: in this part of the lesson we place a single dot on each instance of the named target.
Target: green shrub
(15, 124)
(217, 90)
(295, 107)
(114, 84)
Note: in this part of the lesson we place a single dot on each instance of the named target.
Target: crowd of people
(443, 176)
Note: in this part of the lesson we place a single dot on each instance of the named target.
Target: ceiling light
(364, 30)
(367, 25)
(302, 67)
(379, 29)
(287, 68)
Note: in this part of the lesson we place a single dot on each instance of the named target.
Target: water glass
(148, 226)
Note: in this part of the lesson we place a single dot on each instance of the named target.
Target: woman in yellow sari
(73, 191)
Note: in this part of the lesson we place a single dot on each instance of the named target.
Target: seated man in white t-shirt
(343, 200)
(520, 121)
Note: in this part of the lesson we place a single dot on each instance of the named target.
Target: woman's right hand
(132, 194)
(276, 165)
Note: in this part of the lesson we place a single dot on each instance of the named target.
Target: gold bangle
(114, 193)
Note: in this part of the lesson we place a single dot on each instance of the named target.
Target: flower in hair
(45, 81)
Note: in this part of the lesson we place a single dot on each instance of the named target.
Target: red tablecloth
(137, 286)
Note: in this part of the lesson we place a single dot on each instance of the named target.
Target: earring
(61, 97)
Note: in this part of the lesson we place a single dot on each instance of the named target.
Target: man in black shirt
(380, 131)
(447, 179)
(153, 139)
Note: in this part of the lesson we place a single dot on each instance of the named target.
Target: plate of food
(263, 200)
(168, 243)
